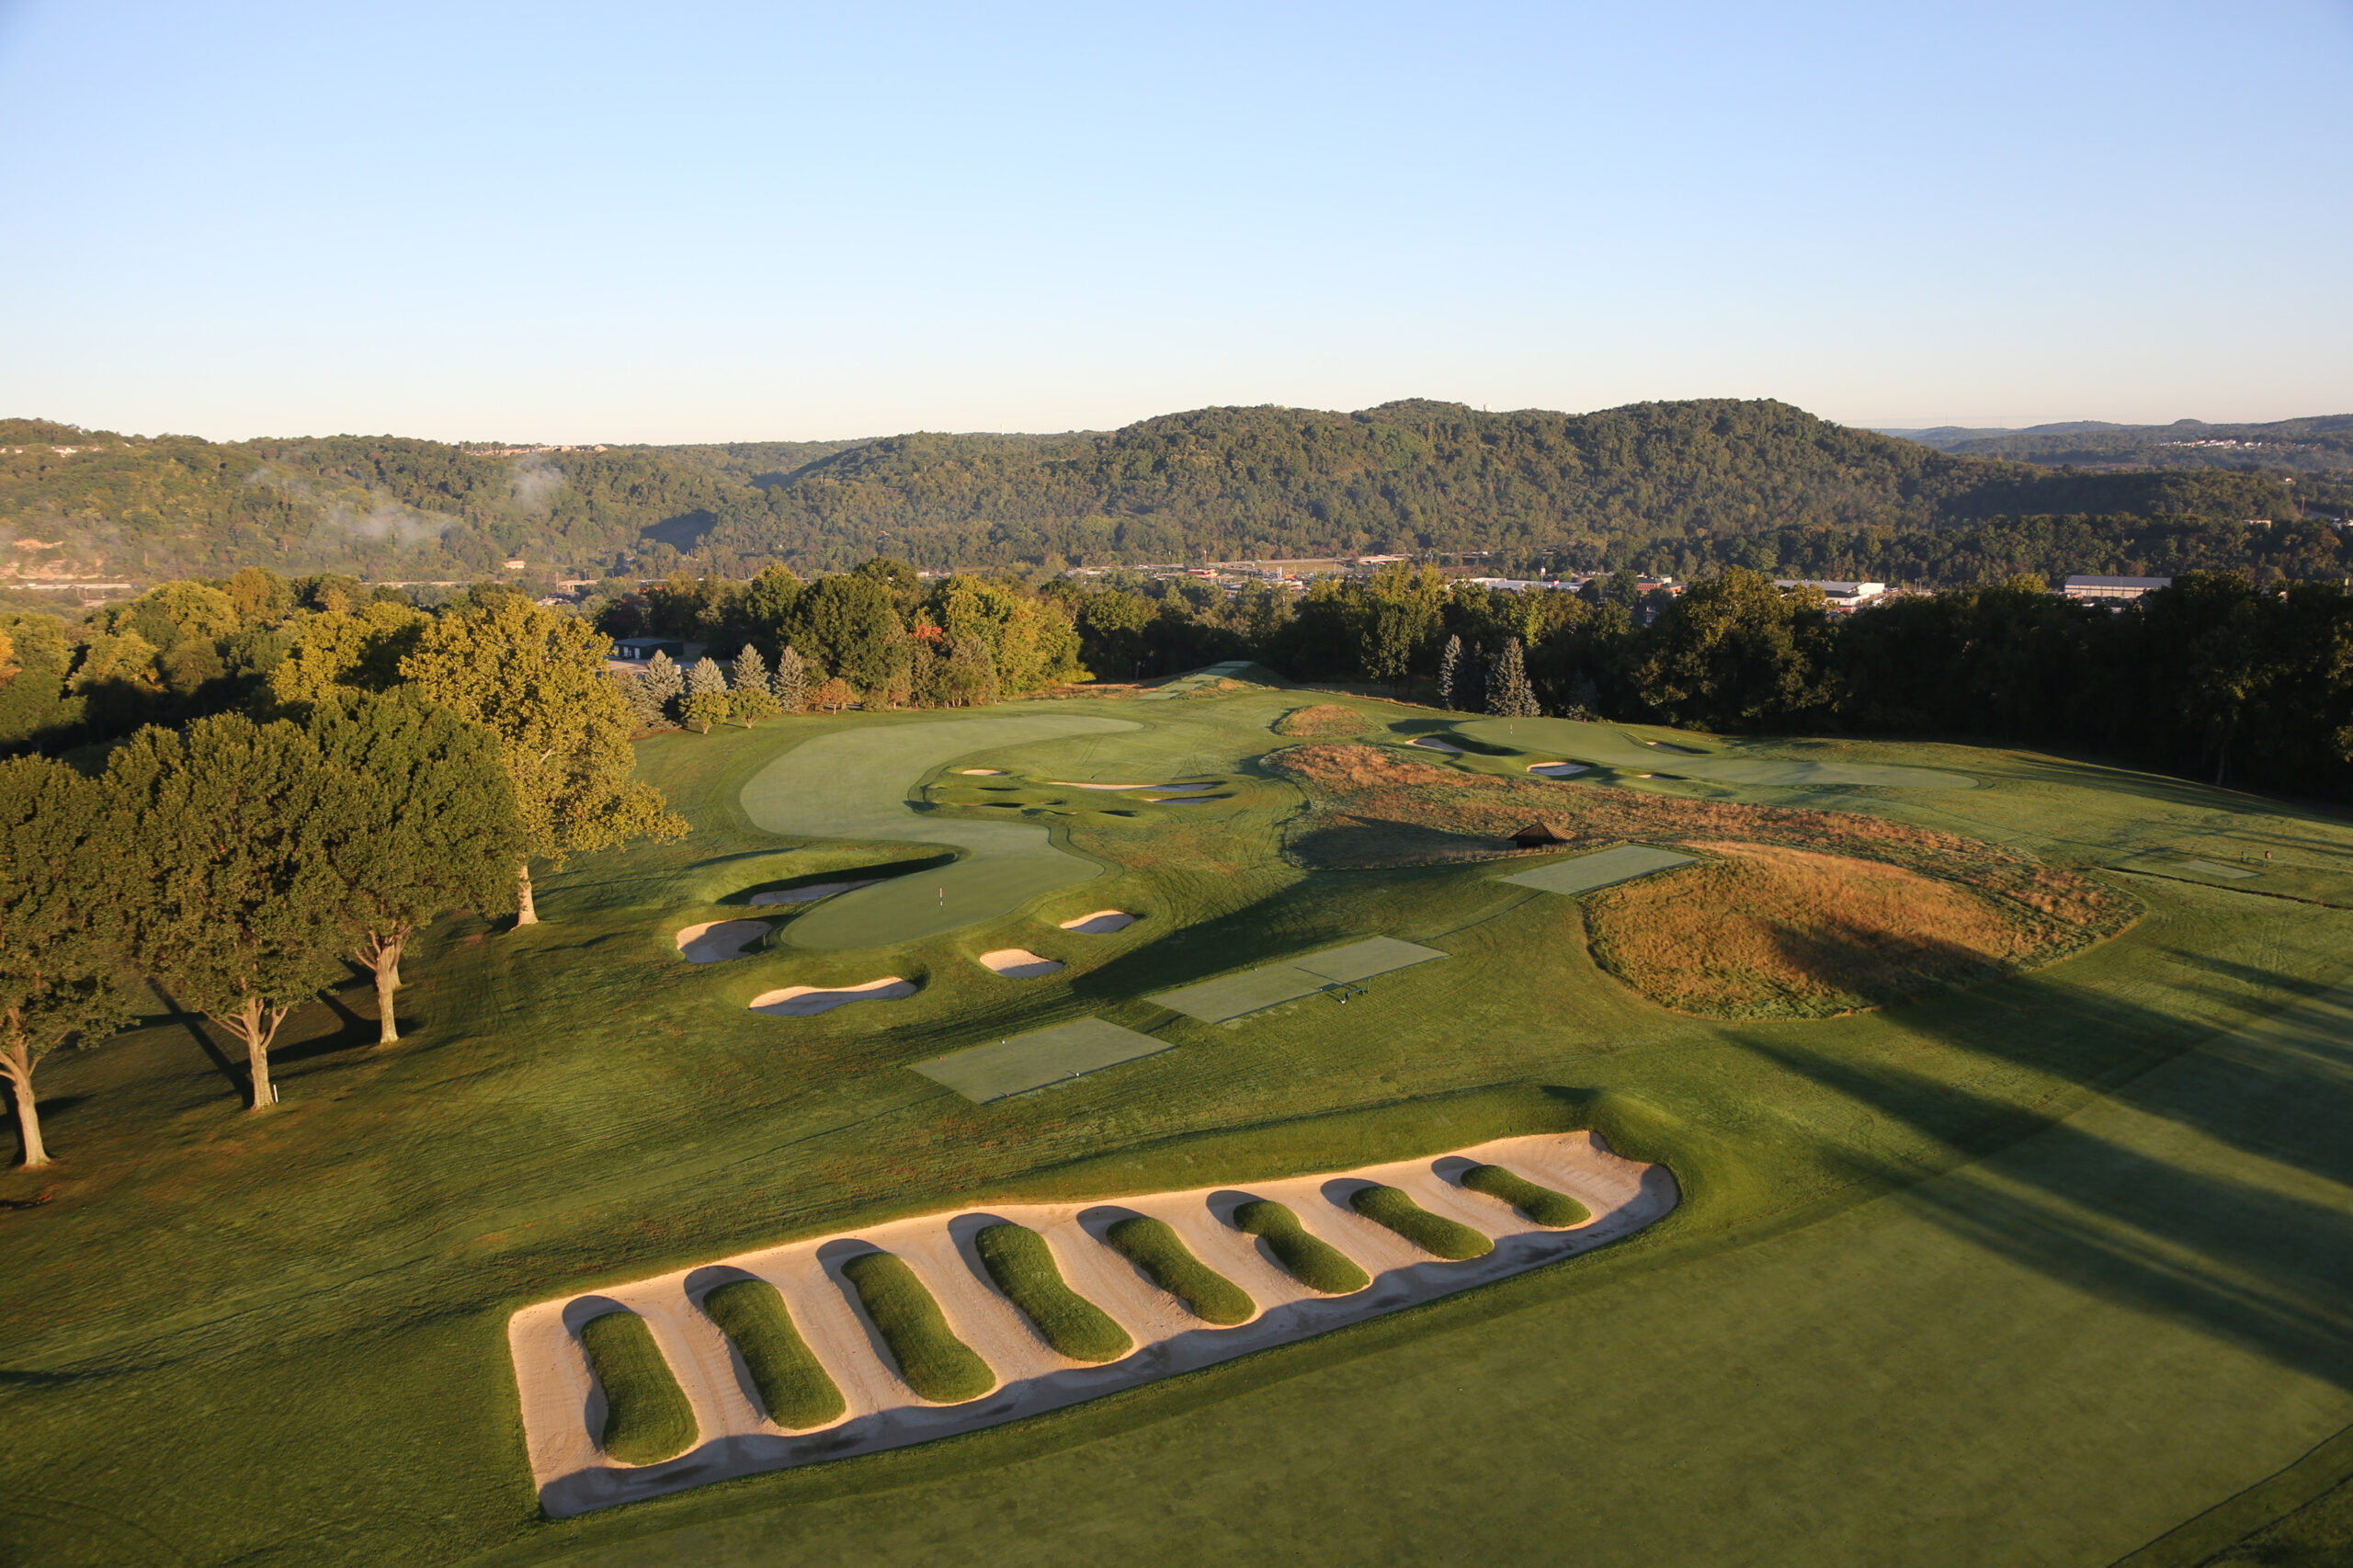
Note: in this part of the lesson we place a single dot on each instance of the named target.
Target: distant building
(1841, 594)
(2081, 587)
(638, 650)
(1522, 585)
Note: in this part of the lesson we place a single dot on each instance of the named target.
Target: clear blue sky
(710, 222)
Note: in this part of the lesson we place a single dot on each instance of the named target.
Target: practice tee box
(1230, 996)
(1599, 870)
(1033, 1061)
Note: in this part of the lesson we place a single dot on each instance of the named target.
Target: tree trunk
(524, 914)
(257, 1023)
(17, 1065)
(382, 953)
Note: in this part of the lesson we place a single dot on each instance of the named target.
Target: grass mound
(1322, 721)
(1541, 1204)
(1395, 1208)
(1316, 1264)
(937, 1365)
(646, 1414)
(1152, 1246)
(1023, 1266)
(793, 1387)
(1766, 931)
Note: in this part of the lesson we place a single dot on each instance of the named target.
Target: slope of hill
(1212, 483)
(2300, 445)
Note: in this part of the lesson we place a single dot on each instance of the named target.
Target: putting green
(1612, 748)
(854, 783)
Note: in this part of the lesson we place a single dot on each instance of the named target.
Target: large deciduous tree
(337, 650)
(1735, 652)
(61, 907)
(535, 679)
(236, 837)
(850, 623)
(436, 830)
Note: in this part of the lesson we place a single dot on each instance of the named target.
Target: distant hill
(1215, 482)
(2307, 446)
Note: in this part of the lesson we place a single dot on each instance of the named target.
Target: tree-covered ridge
(2313, 445)
(1216, 483)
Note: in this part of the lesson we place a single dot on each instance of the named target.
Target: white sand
(1179, 800)
(811, 895)
(982, 772)
(715, 941)
(1102, 923)
(1073, 784)
(1019, 963)
(801, 1001)
(1435, 743)
(562, 1407)
(1556, 769)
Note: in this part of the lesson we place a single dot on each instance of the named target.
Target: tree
(1508, 694)
(646, 711)
(1735, 652)
(236, 837)
(850, 623)
(436, 828)
(704, 709)
(336, 650)
(835, 694)
(1406, 604)
(706, 679)
(535, 679)
(1450, 671)
(769, 601)
(791, 682)
(664, 682)
(971, 676)
(61, 909)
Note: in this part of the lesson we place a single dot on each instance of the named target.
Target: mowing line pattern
(882, 1411)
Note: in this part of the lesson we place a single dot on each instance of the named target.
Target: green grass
(937, 1365)
(2026, 1273)
(1541, 1204)
(647, 1417)
(1314, 1263)
(1434, 1233)
(1151, 1245)
(794, 1388)
(1018, 1260)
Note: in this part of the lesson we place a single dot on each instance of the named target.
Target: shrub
(1022, 1264)
(1541, 1204)
(793, 1386)
(1395, 1207)
(1156, 1249)
(1316, 1264)
(646, 1414)
(937, 1365)
(1324, 720)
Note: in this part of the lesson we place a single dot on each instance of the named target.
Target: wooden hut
(1544, 833)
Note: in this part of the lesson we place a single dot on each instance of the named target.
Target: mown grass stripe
(937, 1365)
(1314, 1263)
(1434, 1233)
(1556, 1209)
(1023, 1266)
(1154, 1246)
(793, 1387)
(647, 1417)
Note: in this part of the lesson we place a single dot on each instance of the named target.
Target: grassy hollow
(794, 1388)
(1314, 1263)
(1155, 1248)
(1018, 1260)
(1557, 1210)
(647, 1417)
(937, 1365)
(1434, 1233)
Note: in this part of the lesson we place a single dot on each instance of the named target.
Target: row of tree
(241, 860)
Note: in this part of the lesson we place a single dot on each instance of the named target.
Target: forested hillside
(1662, 481)
(2304, 446)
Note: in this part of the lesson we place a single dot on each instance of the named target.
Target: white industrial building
(2080, 587)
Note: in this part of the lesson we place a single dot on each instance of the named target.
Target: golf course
(1119, 1128)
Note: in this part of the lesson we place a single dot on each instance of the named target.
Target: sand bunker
(811, 895)
(715, 941)
(1434, 744)
(801, 1001)
(982, 772)
(1019, 963)
(1183, 799)
(1073, 784)
(561, 1404)
(1102, 923)
(1556, 769)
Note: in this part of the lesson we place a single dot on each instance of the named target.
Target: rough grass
(1314, 1263)
(1021, 1262)
(937, 1365)
(793, 1387)
(646, 1414)
(1557, 1210)
(1434, 1233)
(1152, 1246)
(1321, 720)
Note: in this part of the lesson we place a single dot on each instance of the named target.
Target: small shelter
(1544, 833)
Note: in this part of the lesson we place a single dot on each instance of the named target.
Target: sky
(706, 222)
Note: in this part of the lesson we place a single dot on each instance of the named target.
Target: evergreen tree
(1508, 694)
(1584, 698)
(749, 671)
(61, 913)
(665, 683)
(646, 711)
(1450, 666)
(706, 679)
(791, 682)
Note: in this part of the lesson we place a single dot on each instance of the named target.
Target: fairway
(1612, 748)
(1599, 870)
(1032, 1061)
(1335, 970)
(853, 785)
